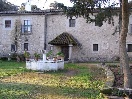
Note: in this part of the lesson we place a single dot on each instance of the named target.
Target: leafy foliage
(26, 54)
(4, 58)
(86, 8)
(36, 55)
(35, 8)
(49, 53)
(7, 6)
(60, 54)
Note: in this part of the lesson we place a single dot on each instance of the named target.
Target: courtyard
(76, 81)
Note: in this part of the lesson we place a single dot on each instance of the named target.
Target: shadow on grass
(31, 91)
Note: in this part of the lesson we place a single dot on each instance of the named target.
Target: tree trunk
(123, 52)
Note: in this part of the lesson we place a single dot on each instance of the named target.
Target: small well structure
(45, 65)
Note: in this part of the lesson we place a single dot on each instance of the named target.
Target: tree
(35, 8)
(123, 53)
(7, 6)
(105, 12)
(22, 8)
(54, 5)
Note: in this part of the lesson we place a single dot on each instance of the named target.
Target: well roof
(64, 39)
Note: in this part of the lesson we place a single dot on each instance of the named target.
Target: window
(13, 47)
(27, 22)
(25, 46)
(27, 27)
(130, 29)
(95, 47)
(129, 47)
(7, 23)
(71, 22)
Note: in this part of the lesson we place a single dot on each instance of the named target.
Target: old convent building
(52, 30)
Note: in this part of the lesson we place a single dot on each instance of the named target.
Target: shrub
(114, 92)
(13, 56)
(26, 54)
(4, 58)
(116, 58)
(60, 54)
(49, 54)
(37, 56)
(21, 56)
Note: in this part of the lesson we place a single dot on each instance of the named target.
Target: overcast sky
(45, 3)
(40, 3)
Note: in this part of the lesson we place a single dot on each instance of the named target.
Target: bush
(114, 92)
(49, 54)
(13, 56)
(26, 54)
(4, 58)
(116, 58)
(17, 57)
(37, 56)
(21, 56)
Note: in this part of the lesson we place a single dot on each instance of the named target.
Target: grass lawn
(11, 68)
(76, 81)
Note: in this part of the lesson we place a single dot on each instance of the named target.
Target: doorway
(65, 51)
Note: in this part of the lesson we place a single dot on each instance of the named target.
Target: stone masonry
(55, 23)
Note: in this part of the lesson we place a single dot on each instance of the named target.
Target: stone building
(52, 30)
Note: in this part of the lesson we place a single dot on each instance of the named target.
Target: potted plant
(54, 58)
(60, 56)
(48, 54)
(27, 55)
(37, 56)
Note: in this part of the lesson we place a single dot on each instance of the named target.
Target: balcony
(26, 29)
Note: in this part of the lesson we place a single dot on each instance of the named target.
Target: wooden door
(65, 51)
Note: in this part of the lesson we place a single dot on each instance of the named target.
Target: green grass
(76, 81)
(11, 64)
(8, 68)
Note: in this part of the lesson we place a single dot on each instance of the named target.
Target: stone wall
(35, 40)
(86, 34)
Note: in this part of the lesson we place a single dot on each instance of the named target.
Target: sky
(44, 4)
(40, 3)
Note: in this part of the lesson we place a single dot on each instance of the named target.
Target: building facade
(52, 30)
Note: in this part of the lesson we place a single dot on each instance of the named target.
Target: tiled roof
(64, 39)
(41, 12)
